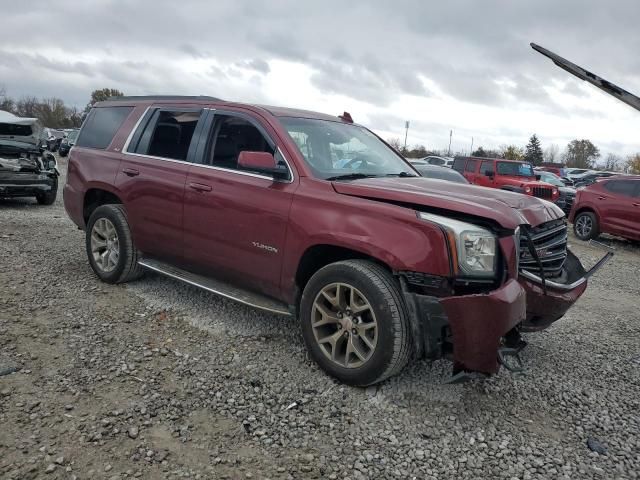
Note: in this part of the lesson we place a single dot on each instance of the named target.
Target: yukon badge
(262, 246)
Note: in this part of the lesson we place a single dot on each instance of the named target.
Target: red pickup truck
(511, 175)
(306, 214)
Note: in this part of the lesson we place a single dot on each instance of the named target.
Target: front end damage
(478, 326)
(26, 171)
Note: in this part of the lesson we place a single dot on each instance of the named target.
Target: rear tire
(586, 226)
(339, 307)
(110, 249)
(49, 197)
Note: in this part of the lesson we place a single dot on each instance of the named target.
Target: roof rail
(162, 97)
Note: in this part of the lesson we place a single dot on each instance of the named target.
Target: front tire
(585, 226)
(110, 249)
(354, 322)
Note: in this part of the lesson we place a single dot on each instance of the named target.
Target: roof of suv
(275, 111)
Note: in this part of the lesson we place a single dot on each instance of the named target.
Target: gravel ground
(160, 380)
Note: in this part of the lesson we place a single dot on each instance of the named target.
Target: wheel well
(585, 209)
(96, 197)
(320, 256)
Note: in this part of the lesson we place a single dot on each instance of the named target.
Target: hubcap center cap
(347, 322)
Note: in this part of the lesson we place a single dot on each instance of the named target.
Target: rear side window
(623, 187)
(458, 164)
(101, 125)
(471, 166)
(486, 166)
(166, 134)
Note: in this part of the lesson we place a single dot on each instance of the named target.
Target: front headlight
(474, 247)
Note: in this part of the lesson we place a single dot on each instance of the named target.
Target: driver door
(235, 221)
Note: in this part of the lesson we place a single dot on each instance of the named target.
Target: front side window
(334, 149)
(622, 187)
(101, 126)
(232, 135)
(516, 169)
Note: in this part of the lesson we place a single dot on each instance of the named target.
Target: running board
(215, 286)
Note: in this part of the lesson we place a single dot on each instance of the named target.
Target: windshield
(334, 150)
(515, 169)
(551, 178)
(72, 135)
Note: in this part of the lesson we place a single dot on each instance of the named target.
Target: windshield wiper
(401, 174)
(351, 176)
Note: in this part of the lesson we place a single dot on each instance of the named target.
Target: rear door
(470, 170)
(152, 177)
(618, 206)
(235, 220)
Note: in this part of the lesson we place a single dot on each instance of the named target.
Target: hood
(508, 209)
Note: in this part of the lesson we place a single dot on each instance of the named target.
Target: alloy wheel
(344, 325)
(105, 245)
(584, 226)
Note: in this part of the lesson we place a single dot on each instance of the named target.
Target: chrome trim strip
(209, 289)
(134, 129)
(552, 284)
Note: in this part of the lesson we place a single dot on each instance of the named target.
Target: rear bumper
(26, 184)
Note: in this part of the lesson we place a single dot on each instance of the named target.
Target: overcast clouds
(461, 65)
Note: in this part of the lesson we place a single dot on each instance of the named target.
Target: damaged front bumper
(472, 328)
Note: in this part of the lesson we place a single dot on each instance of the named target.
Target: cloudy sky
(461, 65)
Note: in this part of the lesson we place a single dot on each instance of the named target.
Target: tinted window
(516, 169)
(471, 166)
(622, 187)
(169, 134)
(101, 125)
(17, 130)
(486, 166)
(458, 164)
(232, 135)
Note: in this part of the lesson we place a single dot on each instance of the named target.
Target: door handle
(200, 187)
(131, 172)
(636, 204)
(602, 198)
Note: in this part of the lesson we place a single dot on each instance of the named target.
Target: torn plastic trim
(568, 286)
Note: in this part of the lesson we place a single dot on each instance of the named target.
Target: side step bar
(215, 286)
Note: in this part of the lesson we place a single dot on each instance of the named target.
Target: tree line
(52, 112)
(579, 153)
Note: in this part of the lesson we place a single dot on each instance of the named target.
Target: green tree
(533, 151)
(480, 152)
(101, 95)
(512, 152)
(581, 154)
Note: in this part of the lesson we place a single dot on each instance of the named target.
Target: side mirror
(488, 173)
(262, 162)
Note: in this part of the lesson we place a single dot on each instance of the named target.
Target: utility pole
(449, 150)
(471, 151)
(406, 132)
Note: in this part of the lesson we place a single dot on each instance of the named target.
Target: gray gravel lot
(160, 380)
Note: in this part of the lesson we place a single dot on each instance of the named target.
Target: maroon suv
(306, 214)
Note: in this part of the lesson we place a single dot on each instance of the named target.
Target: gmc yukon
(306, 214)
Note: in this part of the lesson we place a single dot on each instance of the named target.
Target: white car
(575, 174)
(438, 161)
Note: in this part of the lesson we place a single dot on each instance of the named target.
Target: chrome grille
(542, 192)
(550, 242)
